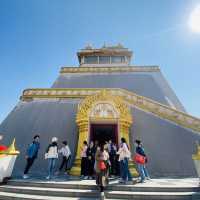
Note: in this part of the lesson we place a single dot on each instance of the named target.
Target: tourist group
(98, 160)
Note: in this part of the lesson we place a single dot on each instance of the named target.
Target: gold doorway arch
(90, 110)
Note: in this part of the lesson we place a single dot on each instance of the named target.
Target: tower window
(104, 59)
(117, 59)
(91, 59)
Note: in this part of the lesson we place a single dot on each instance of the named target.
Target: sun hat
(54, 139)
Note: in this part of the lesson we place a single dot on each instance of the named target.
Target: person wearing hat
(52, 155)
(31, 154)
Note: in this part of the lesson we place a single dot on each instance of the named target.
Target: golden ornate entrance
(102, 108)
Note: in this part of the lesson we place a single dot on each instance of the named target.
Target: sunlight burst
(194, 20)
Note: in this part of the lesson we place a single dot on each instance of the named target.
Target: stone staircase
(74, 190)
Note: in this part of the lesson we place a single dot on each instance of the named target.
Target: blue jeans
(51, 166)
(142, 171)
(125, 173)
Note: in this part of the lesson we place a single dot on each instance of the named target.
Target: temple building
(104, 98)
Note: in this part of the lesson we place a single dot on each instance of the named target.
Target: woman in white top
(84, 163)
(52, 155)
(124, 155)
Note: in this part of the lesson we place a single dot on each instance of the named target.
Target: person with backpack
(31, 154)
(141, 159)
(52, 155)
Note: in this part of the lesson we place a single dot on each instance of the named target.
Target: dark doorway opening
(103, 133)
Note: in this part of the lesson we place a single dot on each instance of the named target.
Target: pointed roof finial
(104, 45)
(88, 46)
(119, 45)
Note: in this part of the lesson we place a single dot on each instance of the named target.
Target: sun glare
(194, 20)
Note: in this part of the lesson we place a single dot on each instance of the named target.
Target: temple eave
(110, 69)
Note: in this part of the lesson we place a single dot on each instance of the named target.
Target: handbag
(46, 156)
(139, 159)
(102, 165)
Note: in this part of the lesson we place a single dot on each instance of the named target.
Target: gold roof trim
(133, 99)
(109, 69)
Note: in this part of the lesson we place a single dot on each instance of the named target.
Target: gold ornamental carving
(103, 97)
(102, 107)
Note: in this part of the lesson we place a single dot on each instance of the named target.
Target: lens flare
(194, 20)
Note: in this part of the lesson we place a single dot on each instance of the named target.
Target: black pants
(29, 164)
(65, 162)
(113, 165)
(84, 166)
(90, 167)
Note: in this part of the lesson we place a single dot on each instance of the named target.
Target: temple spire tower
(105, 98)
(109, 56)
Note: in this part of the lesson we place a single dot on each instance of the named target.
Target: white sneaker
(48, 177)
(25, 176)
(102, 196)
(85, 177)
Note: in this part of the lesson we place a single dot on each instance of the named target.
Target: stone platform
(72, 188)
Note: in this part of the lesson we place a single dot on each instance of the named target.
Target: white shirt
(53, 152)
(124, 152)
(65, 151)
(105, 156)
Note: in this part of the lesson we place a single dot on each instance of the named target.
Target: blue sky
(38, 37)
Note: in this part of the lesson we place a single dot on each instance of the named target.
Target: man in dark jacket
(31, 154)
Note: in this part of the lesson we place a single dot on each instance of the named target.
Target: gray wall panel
(40, 117)
(168, 146)
(150, 85)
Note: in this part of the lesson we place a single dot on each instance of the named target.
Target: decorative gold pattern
(133, 99)
(100, 106)
(11, 150)
(197, 155)
(109, 69)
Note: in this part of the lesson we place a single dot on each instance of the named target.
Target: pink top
(83, 151)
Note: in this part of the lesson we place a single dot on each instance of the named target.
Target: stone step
(137, 188)
(84, 184)
(91, 185)
(155, 189)
(17, 196)
(111, 195)
(123, 195)
(58, 192)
